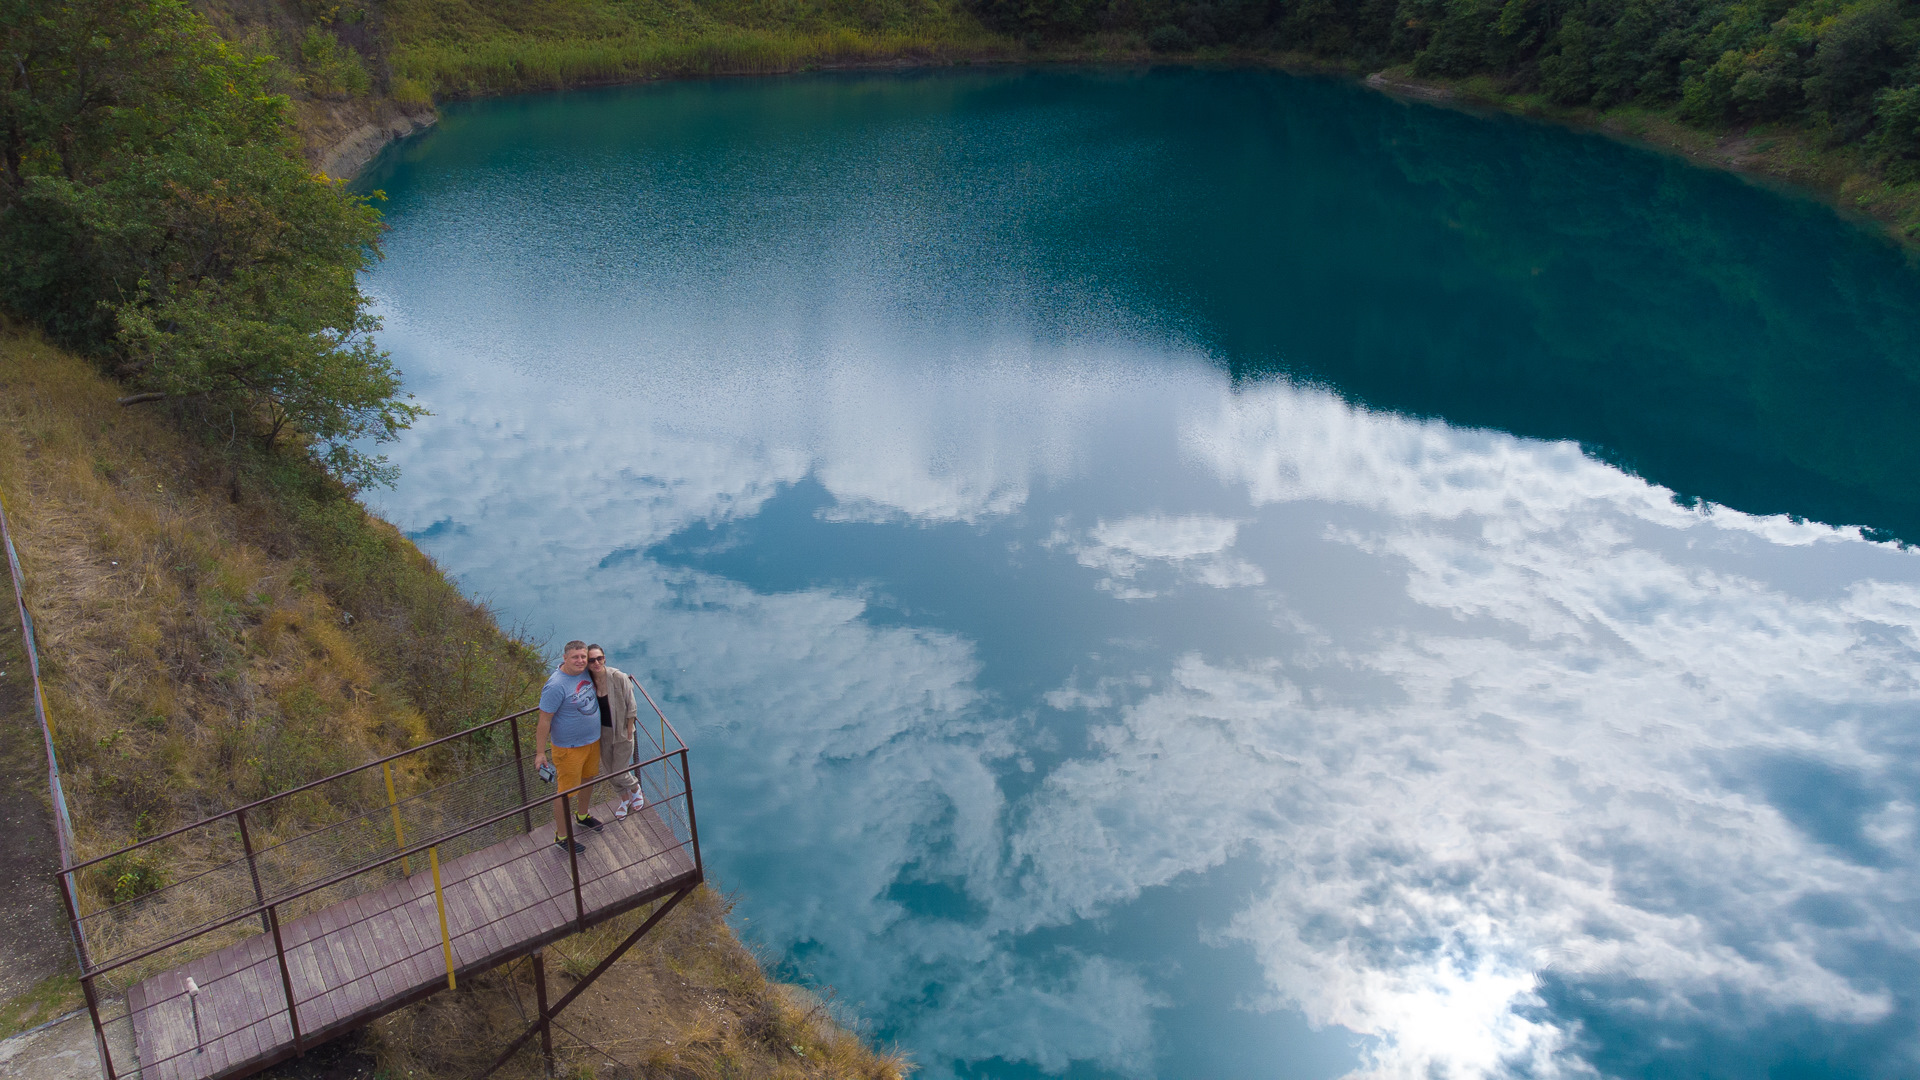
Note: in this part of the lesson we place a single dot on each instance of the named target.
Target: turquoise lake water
(1210, 574)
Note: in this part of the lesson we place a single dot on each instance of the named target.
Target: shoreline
(345, 158)
(1782, 157)
(1839, 178)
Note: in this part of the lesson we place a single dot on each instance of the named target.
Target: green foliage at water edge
(1840, 74)
(155, 216)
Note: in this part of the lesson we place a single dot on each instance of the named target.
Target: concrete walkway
(62, 1052)
(34, 942)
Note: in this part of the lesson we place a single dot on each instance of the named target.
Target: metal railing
(285, 866)
(62, 824)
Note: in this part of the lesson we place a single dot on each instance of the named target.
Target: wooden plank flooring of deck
(371, 953)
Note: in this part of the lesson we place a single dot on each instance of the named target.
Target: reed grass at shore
(443, 48)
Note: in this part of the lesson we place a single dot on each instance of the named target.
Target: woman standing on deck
(617, 715)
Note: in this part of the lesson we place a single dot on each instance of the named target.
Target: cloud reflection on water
(1073, 708)
(1516, 721)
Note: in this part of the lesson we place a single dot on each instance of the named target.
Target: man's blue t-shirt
(575, 708)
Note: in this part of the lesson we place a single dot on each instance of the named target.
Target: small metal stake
(193, 1002)
(399, 838)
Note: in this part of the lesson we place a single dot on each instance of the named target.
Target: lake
(1209, 573)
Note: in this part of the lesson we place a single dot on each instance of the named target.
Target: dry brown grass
(188, 667)
(688, 1002)
(213, 631)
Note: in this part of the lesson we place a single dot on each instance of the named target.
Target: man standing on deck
(570, 723)
(617, 716)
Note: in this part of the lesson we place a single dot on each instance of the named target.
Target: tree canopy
(155, 215)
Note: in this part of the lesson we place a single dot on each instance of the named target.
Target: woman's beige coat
(620, 702)
(616, 741)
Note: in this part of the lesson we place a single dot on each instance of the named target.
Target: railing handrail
(233, 811)
(415, 849)
(261, 853)
(171, 833)
(429, 744)
(656, 711)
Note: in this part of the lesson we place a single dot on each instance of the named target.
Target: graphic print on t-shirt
(574, 706)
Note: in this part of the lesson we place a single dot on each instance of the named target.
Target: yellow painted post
(440, 901)
(393, 803)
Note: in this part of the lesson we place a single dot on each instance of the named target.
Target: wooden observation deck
(275, 934)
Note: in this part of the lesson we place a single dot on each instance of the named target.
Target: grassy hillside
(346, 64)
(447, 47)
(218, 626)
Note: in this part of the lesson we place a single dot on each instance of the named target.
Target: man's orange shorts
(575, 765)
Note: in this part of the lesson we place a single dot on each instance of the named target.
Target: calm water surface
(1211, 574)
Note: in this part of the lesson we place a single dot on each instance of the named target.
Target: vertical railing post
(540, 1002)
(99, 1029)
(693, 824)
(573, 860)
(246, 844)
(393, 803)
(520, 774)
(68, 895)
(440, 902)
(286, 981)
(656, 711)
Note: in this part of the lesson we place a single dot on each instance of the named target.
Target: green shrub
(155, 215)
(1896, 133)
(1168, 38)
(127, 876)
(411, 92)
(333, 70)
(1566, 72)
(1858, 53)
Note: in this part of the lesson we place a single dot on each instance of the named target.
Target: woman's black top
(606, 715)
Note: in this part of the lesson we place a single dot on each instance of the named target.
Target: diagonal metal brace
(599, 969)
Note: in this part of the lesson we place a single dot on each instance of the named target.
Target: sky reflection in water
(1073, 707)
